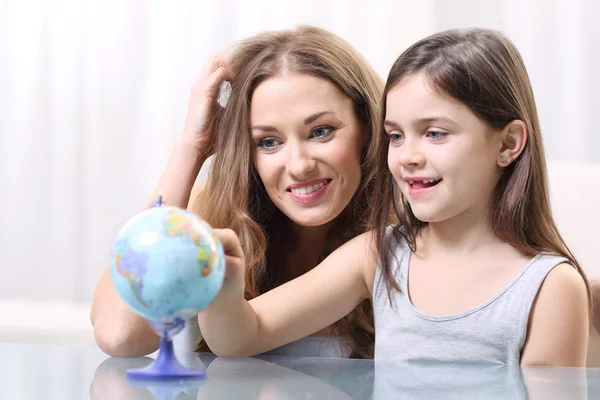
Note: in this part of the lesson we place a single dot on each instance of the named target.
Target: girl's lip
(421, 191)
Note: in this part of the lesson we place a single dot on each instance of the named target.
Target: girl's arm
(558, 329)
(595, 317)
(234, 327)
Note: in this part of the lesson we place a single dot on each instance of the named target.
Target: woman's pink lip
(311, 183)
(312, 197)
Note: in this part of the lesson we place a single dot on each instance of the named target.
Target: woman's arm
(177, 180)
(119, 331)
(234, 327)
(559, 322)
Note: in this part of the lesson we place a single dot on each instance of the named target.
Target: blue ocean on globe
(167, 264)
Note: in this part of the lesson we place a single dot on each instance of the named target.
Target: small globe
(167, 264)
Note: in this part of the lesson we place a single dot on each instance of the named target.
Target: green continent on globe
(206, 259)
(178, 225)
(131, 265)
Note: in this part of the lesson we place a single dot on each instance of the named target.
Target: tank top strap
(399, 254)
(521, 295)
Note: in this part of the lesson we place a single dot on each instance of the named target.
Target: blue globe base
(165, 367)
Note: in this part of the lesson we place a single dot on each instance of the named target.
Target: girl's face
(443, 157)
(308, 145)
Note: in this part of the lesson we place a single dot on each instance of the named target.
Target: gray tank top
(492, 332)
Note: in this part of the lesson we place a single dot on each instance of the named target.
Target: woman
(292, 174)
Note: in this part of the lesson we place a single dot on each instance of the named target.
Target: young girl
(476, 271)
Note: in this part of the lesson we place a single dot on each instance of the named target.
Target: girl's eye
(436, 135)
(322, 132)
(395, 136)
(268, 143)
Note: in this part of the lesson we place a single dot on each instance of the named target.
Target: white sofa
(575, 197)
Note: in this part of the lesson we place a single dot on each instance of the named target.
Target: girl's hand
(235, 264)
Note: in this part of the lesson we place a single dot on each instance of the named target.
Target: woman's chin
(311, 222)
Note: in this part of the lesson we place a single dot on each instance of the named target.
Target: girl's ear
(514, 138)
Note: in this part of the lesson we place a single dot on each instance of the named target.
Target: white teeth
(308, 189)
(425, 181)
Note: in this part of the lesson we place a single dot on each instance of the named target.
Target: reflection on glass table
(71, 372)
(246, 378)
(482, 381)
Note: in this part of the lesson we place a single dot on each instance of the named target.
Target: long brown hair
(234, 196)
(483, 70)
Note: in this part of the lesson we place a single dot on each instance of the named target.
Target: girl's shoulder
(362, 245)
(360, 254)
(363, 250)
(559, 319)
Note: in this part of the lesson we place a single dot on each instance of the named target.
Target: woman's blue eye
(322, 131)
(268, 143)
(436, 135)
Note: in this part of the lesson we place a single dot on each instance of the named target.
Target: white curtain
(94, 93)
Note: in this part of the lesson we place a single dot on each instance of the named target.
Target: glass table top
(77, 372)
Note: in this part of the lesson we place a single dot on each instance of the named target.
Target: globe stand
(166, 367)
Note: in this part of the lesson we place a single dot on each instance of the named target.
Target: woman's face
(308, 144)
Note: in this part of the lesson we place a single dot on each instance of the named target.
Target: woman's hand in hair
(197, 131)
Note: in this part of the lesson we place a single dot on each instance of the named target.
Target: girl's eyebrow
(422, 121)
(434, 119)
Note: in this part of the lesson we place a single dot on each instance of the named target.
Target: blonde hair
(235, 197)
